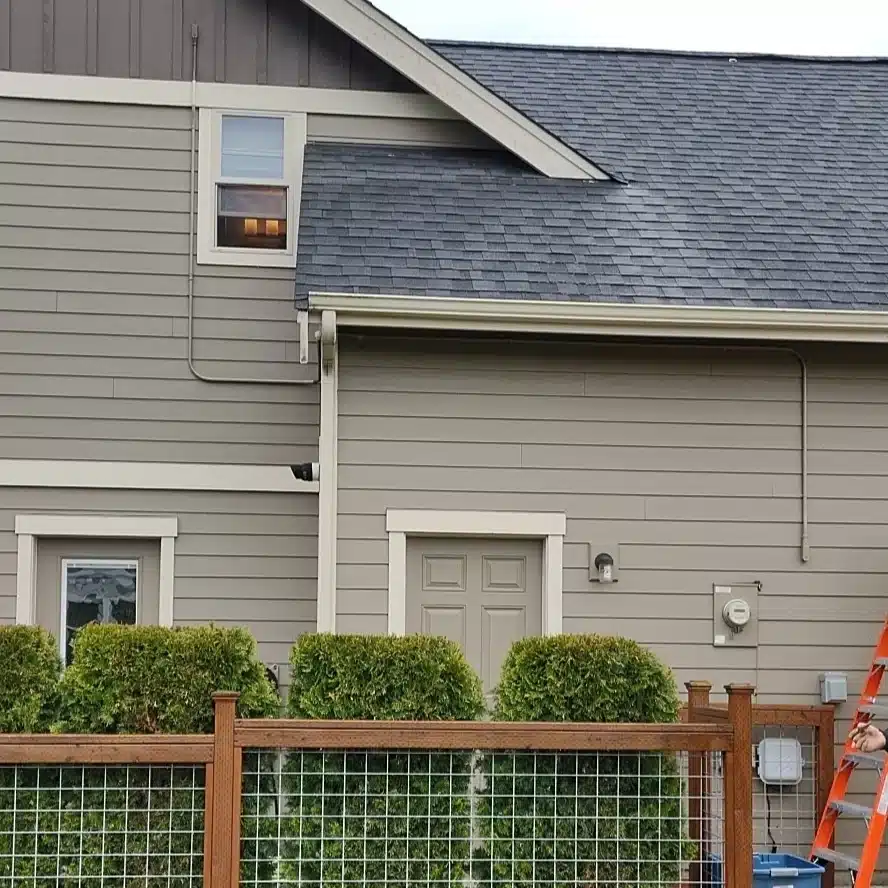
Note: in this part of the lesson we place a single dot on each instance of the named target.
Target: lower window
(82, 580)
(96, 591)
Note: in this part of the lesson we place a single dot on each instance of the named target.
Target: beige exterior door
(111, 581)
(482, 594)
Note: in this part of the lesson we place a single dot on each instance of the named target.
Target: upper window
(96, 591)
(249, 187)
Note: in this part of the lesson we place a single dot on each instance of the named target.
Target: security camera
(307, 471)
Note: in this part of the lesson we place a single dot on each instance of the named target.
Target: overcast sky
(806, 27)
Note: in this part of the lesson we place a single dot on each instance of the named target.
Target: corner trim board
(101, 475)
(329, 484)
(230, 96)
(551, 527)
(29, 528)
(602, 319)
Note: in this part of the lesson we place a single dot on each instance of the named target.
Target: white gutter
(603, 319)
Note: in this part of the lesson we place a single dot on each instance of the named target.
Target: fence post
(740, 802)
(698, 695)
(222, 843)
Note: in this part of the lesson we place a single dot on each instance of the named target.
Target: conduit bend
(192, 188)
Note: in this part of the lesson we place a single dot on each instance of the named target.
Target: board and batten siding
(93, 303)
(685, 465)
(241, 559)
(274, 42)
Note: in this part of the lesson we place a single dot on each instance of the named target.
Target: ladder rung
(870, 759)
(880, 661)
(841, 860)
(874, 709)
(844, 807)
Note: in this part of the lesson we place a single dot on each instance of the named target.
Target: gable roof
(759, 183)
(457, 89)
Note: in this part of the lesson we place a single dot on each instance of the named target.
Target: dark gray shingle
(761, 182)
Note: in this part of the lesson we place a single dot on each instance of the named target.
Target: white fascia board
(101, 475)
(408, 55)
(231, 96)
(603, 319)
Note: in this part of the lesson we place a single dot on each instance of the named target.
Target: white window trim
(550, 527)
(209, 165)
(92, 562)
(112, 475)
(29, 528)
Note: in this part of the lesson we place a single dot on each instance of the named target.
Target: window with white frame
(249, 187)
(96, 590)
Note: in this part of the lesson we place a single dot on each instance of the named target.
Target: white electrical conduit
(191, 259)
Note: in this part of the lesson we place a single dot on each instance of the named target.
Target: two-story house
(308, 325)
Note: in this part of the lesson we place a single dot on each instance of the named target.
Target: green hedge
(565, 819)
(368, 817)
(29, 680)
(130, 825)
(155, 680)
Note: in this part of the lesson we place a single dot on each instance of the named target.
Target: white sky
(804, 27)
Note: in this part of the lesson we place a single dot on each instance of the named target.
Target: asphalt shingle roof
(755, 182)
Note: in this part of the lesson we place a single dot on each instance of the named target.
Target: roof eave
(603, 319)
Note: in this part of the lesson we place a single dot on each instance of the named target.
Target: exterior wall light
(604, 564)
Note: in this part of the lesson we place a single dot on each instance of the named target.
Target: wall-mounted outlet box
(833, 687)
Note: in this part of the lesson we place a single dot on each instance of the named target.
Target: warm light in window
(272, 227)
(251, 227)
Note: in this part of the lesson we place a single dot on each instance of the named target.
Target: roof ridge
(635, 50)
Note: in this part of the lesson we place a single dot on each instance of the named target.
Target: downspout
(328, 361)
(192, 218)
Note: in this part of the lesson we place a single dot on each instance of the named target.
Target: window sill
(246, 258)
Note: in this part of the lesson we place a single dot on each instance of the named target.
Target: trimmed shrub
(567, 819)
(135, 825)
(29, 679)
(156, 680)
(369, 817)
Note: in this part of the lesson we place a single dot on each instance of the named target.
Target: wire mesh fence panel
(101, 826)
(474, 819)
(785, 806)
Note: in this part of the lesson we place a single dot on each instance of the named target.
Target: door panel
(482, 594)
(447, 621)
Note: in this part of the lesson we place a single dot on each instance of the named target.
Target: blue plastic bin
(784, 871)
(768, 871)
(711, 875)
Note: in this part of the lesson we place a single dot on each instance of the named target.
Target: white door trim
(550, 527)
(29, 528)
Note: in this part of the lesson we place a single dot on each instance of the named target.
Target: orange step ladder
(875, 817)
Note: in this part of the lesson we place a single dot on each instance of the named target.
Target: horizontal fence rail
(481, 735)
(86, 749)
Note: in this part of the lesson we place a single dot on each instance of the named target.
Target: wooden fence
(818, 719)
(706, 732)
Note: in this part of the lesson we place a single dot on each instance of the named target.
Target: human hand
(867, 738)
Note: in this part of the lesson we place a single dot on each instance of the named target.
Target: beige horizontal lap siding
(684, 465)
(93, 307)
(242, 559)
